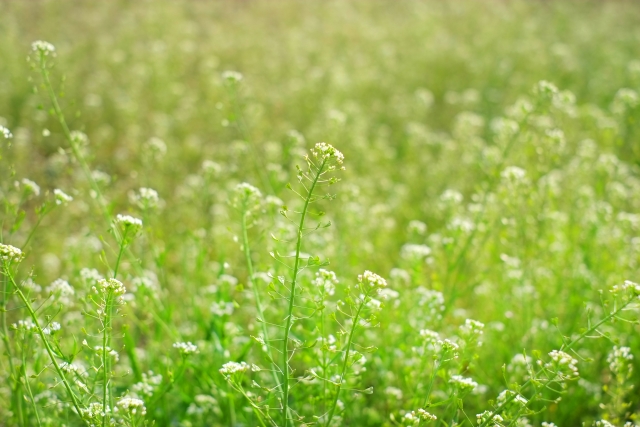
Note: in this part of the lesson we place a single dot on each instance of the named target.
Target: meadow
(337, 213)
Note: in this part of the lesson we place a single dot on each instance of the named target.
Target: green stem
(106, 334)
(346, 359)
(256, 294)
(74, 399)
(292, 296)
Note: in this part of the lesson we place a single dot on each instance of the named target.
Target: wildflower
(5, 132)
(489, 416)
(563, 365)
(130, 224)
(110, 286)
(463, 384)
(620, 359)
(246, 196)
(61, 197)
(222, 308)
(53, 328)
(45, 48)
(414, 253)
(513, 174)
(147, 197)
(110, 352)
(25, 325)
(132, 406)
(9, 254)
(417, 227)
(231, 368)
(61, 290)
(325, 280)
(79, 138)
(326, 152)
(186, 348)
(232, 77)
(148, 385)
(372, 279)
(30, 187)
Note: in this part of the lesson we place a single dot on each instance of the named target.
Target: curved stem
(292, 296)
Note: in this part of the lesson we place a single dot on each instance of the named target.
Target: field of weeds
(332, 213)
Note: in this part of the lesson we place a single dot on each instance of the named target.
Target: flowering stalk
(247, 195)
(368, 284)
(328, 159)
(34, 317)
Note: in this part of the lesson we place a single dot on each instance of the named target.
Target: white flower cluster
(186, 348)
(79, 137)
(417, 227)
(9, 254)
(5, 132)
(513, 174)
(452, 197)
(231, 368)
(90, 275)
(419, 415)
(232, 77)
(52, 328)
(73, 368)
(25, 325)
(211, 168)
(627, 286)
(222, 308)
(462, 383)
(414, 253)
(448, 348)
(94, 411)
(61, 290)
(61, 197)
(148, 385)
(372, 279)
(565, 366)
(147, 198)
(471, 328)
(30, 187)
(326, 280)
(619, 359)
(488, 416)
(246, 195)
(110, 352)
(327, 152)
(43, 47)
(429, 336)
(111, 287)
(511, 398)
(132, 406)
(128, 221)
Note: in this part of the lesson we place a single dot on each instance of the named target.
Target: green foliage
(177, 248)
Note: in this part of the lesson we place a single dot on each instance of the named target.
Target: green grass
(491, 177)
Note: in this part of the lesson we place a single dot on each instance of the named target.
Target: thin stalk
(74, 399)
(28, 387)
(432, 380)
(256, 295)
(292, 296)
(106, 335)
(7, 344)
(346, 359)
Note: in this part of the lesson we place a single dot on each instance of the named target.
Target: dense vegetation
(179, 248)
